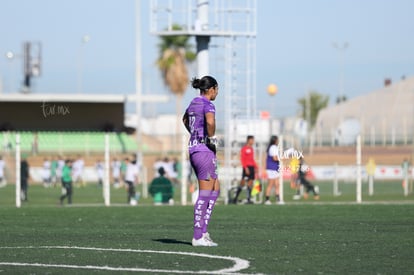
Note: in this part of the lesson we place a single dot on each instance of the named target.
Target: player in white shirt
(100, 172)
(157, 165)
(131, 178)
(46, 173)
(116, 172)
(60, 164)
(77, 169)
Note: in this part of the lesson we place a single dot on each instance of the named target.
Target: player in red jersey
(249, 168)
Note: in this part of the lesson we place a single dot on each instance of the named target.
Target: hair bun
(204, 83)
(196, 83)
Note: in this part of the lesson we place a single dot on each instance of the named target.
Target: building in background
(384, 116)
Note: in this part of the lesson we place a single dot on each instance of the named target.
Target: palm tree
(174, 53)
(316, 101)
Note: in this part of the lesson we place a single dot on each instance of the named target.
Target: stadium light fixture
(9, 55)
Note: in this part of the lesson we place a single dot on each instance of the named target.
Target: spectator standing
(67, 182)
(161, 189)
(24, 177)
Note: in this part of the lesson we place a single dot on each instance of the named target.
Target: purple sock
(209, 210)
(199, 212)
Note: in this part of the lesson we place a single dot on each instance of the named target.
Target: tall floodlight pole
(85, 39)
(138, 89)
(202, 40)
(138, 77)
(10, 56)
(18, 175)
(341, 49)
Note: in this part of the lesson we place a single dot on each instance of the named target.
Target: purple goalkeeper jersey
(196, 111)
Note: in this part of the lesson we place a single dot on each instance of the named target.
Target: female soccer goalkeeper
(199, 120)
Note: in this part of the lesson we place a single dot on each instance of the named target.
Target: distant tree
(340, 99)
(317, 102)
(174, 53)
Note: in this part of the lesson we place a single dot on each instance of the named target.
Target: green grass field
(384, 191)
(302, 237)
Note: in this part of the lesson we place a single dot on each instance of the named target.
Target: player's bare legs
(273, 183)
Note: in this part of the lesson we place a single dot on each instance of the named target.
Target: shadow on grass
(171, 241)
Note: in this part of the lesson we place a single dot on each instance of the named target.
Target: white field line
(239, 264)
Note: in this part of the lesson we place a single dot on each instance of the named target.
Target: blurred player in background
(67, 182)
(24, 177)
(303, 169)
(78, 167)
(53, 171)
(59, 169)
(100, 171)
(249, 168)
(116, 172)
(272, 169)
(200, 121)
(46, 173)
(131, 179)
(161, 189)
(294, 178)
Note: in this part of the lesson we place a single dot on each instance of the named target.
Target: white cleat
(203, 241)
(200, 242)
(268, 202)
(206, 236)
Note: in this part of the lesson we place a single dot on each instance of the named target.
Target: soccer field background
(305, 237)
(91, 194)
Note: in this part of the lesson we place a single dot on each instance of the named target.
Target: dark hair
(161, 171)
(249, 137)
(204, 83)
(272, 141)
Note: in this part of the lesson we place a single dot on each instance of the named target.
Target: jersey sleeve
(209, 108)
(243, 157)
(273, 150)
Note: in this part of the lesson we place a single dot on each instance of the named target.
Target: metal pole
(138, 71)
(184, 171)
(85, 39)
(202, 40)
(358, 172)
(281, 168)
(406, 170)
(308, 114)
(138, 80)
(106, 189)
(18, 188)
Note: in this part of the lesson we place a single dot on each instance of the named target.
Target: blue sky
(294, 47)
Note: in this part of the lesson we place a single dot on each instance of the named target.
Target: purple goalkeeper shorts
(204, 164)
